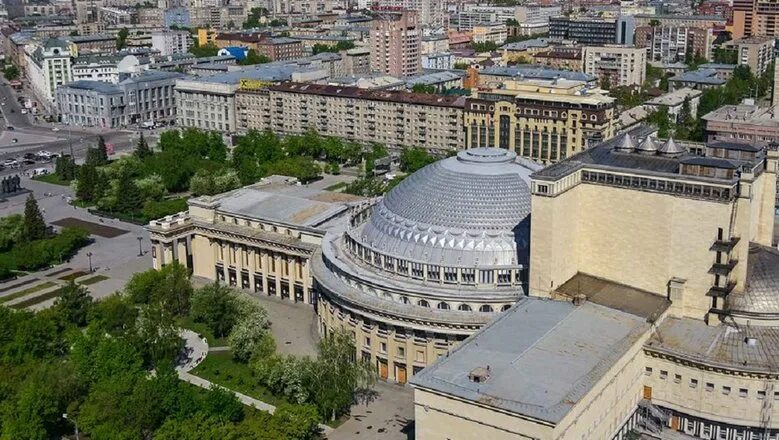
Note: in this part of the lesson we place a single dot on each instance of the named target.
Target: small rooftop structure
(532, 71)
(675, 98)
(705, 77)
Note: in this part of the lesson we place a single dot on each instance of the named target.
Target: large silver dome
(465, 211)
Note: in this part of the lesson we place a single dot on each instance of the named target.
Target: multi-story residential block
(471, 15)
(146, 98)
(280, 49)
(306, 8)
(109, 68)
(542, 120)
(438, 61)
(393, 118)
(584, 30)
(675, 102)
(677, 20)
(755, 52)
(88, 16)
(742, 123)
(42, 9)
(670, 44)
(177, 17)
(559, 57)
(208, 102)
(431, 13)
(170, 42)
(207, 36)
(47, 67)
(436, 43)
(494, 76)
(89, 44)
(112, 17)
(755, 18)
(618, 65)
(395, 43)
(534, 19)
(150, 17)
(494, 32)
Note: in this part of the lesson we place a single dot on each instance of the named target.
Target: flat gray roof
(275, 200)
(543, 356)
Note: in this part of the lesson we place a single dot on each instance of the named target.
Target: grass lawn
(27, 291)
(221, 369)
(337, 186)
(93, 280)
(74, 275)
(38, 299)
(52, 178)
(203, 330)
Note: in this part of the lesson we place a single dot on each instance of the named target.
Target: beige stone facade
(392, 118)
(545, 121)
(259, 251)
(619, 65)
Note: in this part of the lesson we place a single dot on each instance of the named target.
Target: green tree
(223, 404)
(142, 149)
(216, 307)
(11, 72)
(661, 119)
(11, 231)
(102, 150)
(300, 422)
(121, 38)
(74, 303)
(337, 375)
(253, 18)
(65, 168)
(487, 46)
(114, 315)
(424, 88)
(34, 227)
(252, 58)
(413, 159)
(725, 56)
(207, 50)
(250, 338)
(128, 196)
(157, 336)
(88, 186)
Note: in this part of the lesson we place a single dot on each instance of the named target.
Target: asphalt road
(32, 136)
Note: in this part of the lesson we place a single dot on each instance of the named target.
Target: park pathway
(194, 352)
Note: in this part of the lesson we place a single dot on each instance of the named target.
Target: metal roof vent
(671, 148)
(626, 144)
(479, 374)
(648, 146)
(750, 341)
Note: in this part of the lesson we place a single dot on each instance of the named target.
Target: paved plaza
(116, 258)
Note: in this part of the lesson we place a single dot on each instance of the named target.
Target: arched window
(505, 307)
(404, 299)
(464, 308)
(423, 303)
(486, 308)
(443, 306)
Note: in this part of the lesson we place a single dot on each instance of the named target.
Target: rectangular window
(367, 342)
(743, 392)
(647, 371)
(663, 374)
(693, 383)
(401, 352)
(709, 386)
(726, 391)
(677, 378)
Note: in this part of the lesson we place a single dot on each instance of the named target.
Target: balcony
(723, 268)
(721, 291)
(725, 245)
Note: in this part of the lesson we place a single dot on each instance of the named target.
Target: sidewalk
(195, 350)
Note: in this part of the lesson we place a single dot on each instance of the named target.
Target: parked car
(10, 128)
(24, 111)
(11, 163)
(40, 171)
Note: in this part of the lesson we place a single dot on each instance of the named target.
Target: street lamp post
(140, 250)
(75, 424)
(89, 256)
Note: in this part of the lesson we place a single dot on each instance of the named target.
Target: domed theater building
(433, 261)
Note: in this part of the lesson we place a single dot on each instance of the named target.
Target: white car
(24, 111)
(11, 163)
(55, 129)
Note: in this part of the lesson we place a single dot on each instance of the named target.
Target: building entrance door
(383, 369)
(647, 392)
(400, 373)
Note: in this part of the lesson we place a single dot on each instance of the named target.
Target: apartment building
(280, 49)
(87, 44)
(395, 43)
(471, 15)
(560, 57)
(757, 52)
(616, 65)
(670, 44)
(494, 32)
(394, 118)
(431, 13)
(543, 120)
(742, 123)
(208, 102)
(755, 17)
(170, 42)
(534, 19)
(47, 67)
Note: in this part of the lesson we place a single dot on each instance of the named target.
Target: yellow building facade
(546, 121)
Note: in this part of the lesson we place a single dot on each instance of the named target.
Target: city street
(32, 136)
